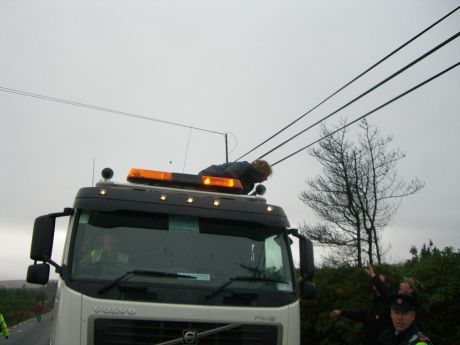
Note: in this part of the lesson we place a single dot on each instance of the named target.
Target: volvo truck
(169, 258)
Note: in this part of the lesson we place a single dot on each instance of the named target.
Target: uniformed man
(404, 330)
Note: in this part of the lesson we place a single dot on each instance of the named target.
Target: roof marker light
(269, 208)
(216, 202)
(190, 199)
(103, 192)
(163, 197)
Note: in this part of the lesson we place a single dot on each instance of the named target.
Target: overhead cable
(352, 81)
(370, 112)
(113, 111)
(366, 92)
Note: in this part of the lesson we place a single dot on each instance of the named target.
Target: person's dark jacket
(243, 171)
(375, 318)
(418, 321)
(410, 336)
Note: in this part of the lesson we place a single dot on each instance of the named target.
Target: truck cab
(173, 258)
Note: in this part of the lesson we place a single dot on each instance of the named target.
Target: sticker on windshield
(284, 286)
(198, 276)
(183, 223)
(84, 218)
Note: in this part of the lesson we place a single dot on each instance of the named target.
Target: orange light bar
(149, 175)
(162, 178)
(221, 182)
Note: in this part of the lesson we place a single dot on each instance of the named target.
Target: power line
(353, 80)
(113, 111)
(439, 46)
(371, 112)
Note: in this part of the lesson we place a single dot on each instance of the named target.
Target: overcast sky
(246, 68)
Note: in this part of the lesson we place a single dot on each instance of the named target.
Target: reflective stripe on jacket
(4, 327)
(96, 256)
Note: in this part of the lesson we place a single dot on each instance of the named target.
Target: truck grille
(143, 332)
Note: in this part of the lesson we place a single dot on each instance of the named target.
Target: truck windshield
(189, 251)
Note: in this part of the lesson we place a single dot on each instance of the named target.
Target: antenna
(186, 148)
(94, 163)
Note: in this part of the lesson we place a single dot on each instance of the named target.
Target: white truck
(172, 258)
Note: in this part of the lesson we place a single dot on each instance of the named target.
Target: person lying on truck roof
(248, 173)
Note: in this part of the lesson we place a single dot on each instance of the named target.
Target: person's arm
(335, 313)
(370, 270)
(355, 315)
(383, 289)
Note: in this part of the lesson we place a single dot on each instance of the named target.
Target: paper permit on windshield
(197, 276)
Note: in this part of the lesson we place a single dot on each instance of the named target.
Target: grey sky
(243, 67)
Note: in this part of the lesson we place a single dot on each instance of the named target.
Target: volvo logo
(265, 318)
(189, 337)
(114, 310)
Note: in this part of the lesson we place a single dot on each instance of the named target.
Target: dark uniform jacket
(376, 318)
(411, 336)
(243, 171)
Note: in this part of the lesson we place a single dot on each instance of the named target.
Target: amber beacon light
(154, 177)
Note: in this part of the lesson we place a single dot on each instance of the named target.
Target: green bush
(438, 272)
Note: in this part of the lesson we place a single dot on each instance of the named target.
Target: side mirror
(307, 265)
(38, 274)
(307, 261)
(42, 246)
(42, 238)
(307, 289)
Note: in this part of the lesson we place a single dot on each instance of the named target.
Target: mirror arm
(295, 232)
(67, 212)
(53, 263)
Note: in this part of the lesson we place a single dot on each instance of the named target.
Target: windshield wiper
(243, 279)
(256, 271)
(129, 274)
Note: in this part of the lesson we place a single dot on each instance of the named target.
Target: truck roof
(110, 196)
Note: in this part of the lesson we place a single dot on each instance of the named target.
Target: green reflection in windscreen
(183, 224)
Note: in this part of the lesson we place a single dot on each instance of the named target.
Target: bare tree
(357, 194)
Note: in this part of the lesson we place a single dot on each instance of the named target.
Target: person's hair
(413, 283)
(262, 167)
